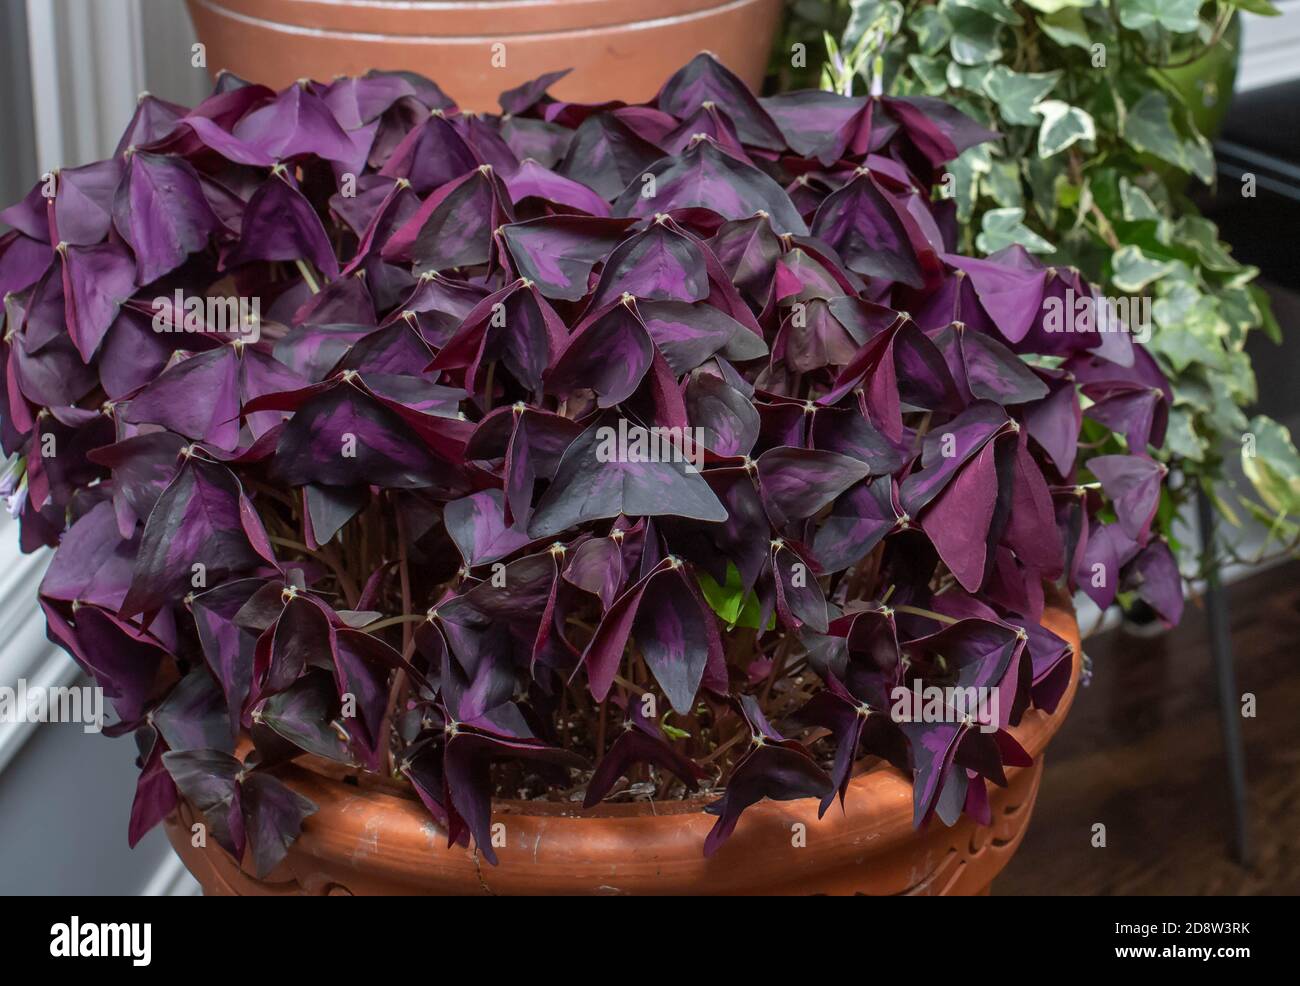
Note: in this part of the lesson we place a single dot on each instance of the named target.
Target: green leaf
(1132, 270)
(976, 37)
(1226, 394)
(1017, 94)
(1149, 127)
(965, 171)
(1261, 7)
(730, 602)
(1066, 28)
(866, 14)
(1181, 438)
(672, 732)
(1175, 304)
(1237, 305)
(1271, 463)
(930, 72)
(1200, 158)
(932, 30)
(1279, 526)
(1003, 184)
(1063, 125)
(997, 9)
(1269, 320)
(1053, 6)
(1179, 16)
(1202, 236)
(1041, 177)
(1003, 227)
(1136, 203)
(1189, 329)
(969, 77)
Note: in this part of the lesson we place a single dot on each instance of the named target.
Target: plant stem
(346, 584)
(488, 384)
(305, 270)
(404, 572)
(929, 614)
(630, 686)
(392, 621)
(724, 747)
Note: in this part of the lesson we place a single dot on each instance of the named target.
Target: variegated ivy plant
(1100, 143)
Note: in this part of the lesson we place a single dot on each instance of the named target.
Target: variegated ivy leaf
(1148, 127)
(1268, 320)
(1041, 175)
(1179, 16)
(1175, 304)
(1272, 464)
(1066, 28)
(965, 171)
(1202, 236)
(1004, 227)
(1132, 270)
(1063, 126)
(1239, 377)
(1080, 198)
(976, 37)
(1193, 340)
(1136, 203)
(966, 76)
(1239, 309)
(1017, 94)
(1180, 436)
(1053, 6)
(865, 15)
(999, 10)
(1003, 183)
(1262, 7)
(930, 73)
(932, 30)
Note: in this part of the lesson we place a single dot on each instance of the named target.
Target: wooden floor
(1142, 753)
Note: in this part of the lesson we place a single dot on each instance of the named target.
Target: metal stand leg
(1216, 610)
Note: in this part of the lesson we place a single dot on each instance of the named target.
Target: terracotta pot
(618, 49)
(377, 840)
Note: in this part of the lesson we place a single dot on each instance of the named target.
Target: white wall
(1270, 47)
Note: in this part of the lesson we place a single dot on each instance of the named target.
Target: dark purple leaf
(1133, 483)
(280, 224)
(586, 488)
(161, 212)
(639, 742)
(559, 252)
(798, 482)
(607, 155)
(705, 176)
(201, 532)
(706, 80)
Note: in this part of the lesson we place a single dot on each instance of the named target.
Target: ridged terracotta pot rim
(375, 838)
(617, 49)
(463, 20)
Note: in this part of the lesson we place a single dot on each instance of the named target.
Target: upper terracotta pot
(618, 49)
(373, 838)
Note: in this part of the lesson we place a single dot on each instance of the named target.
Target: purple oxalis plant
(384, 524)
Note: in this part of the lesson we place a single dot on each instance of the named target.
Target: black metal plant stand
(1216, 611)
